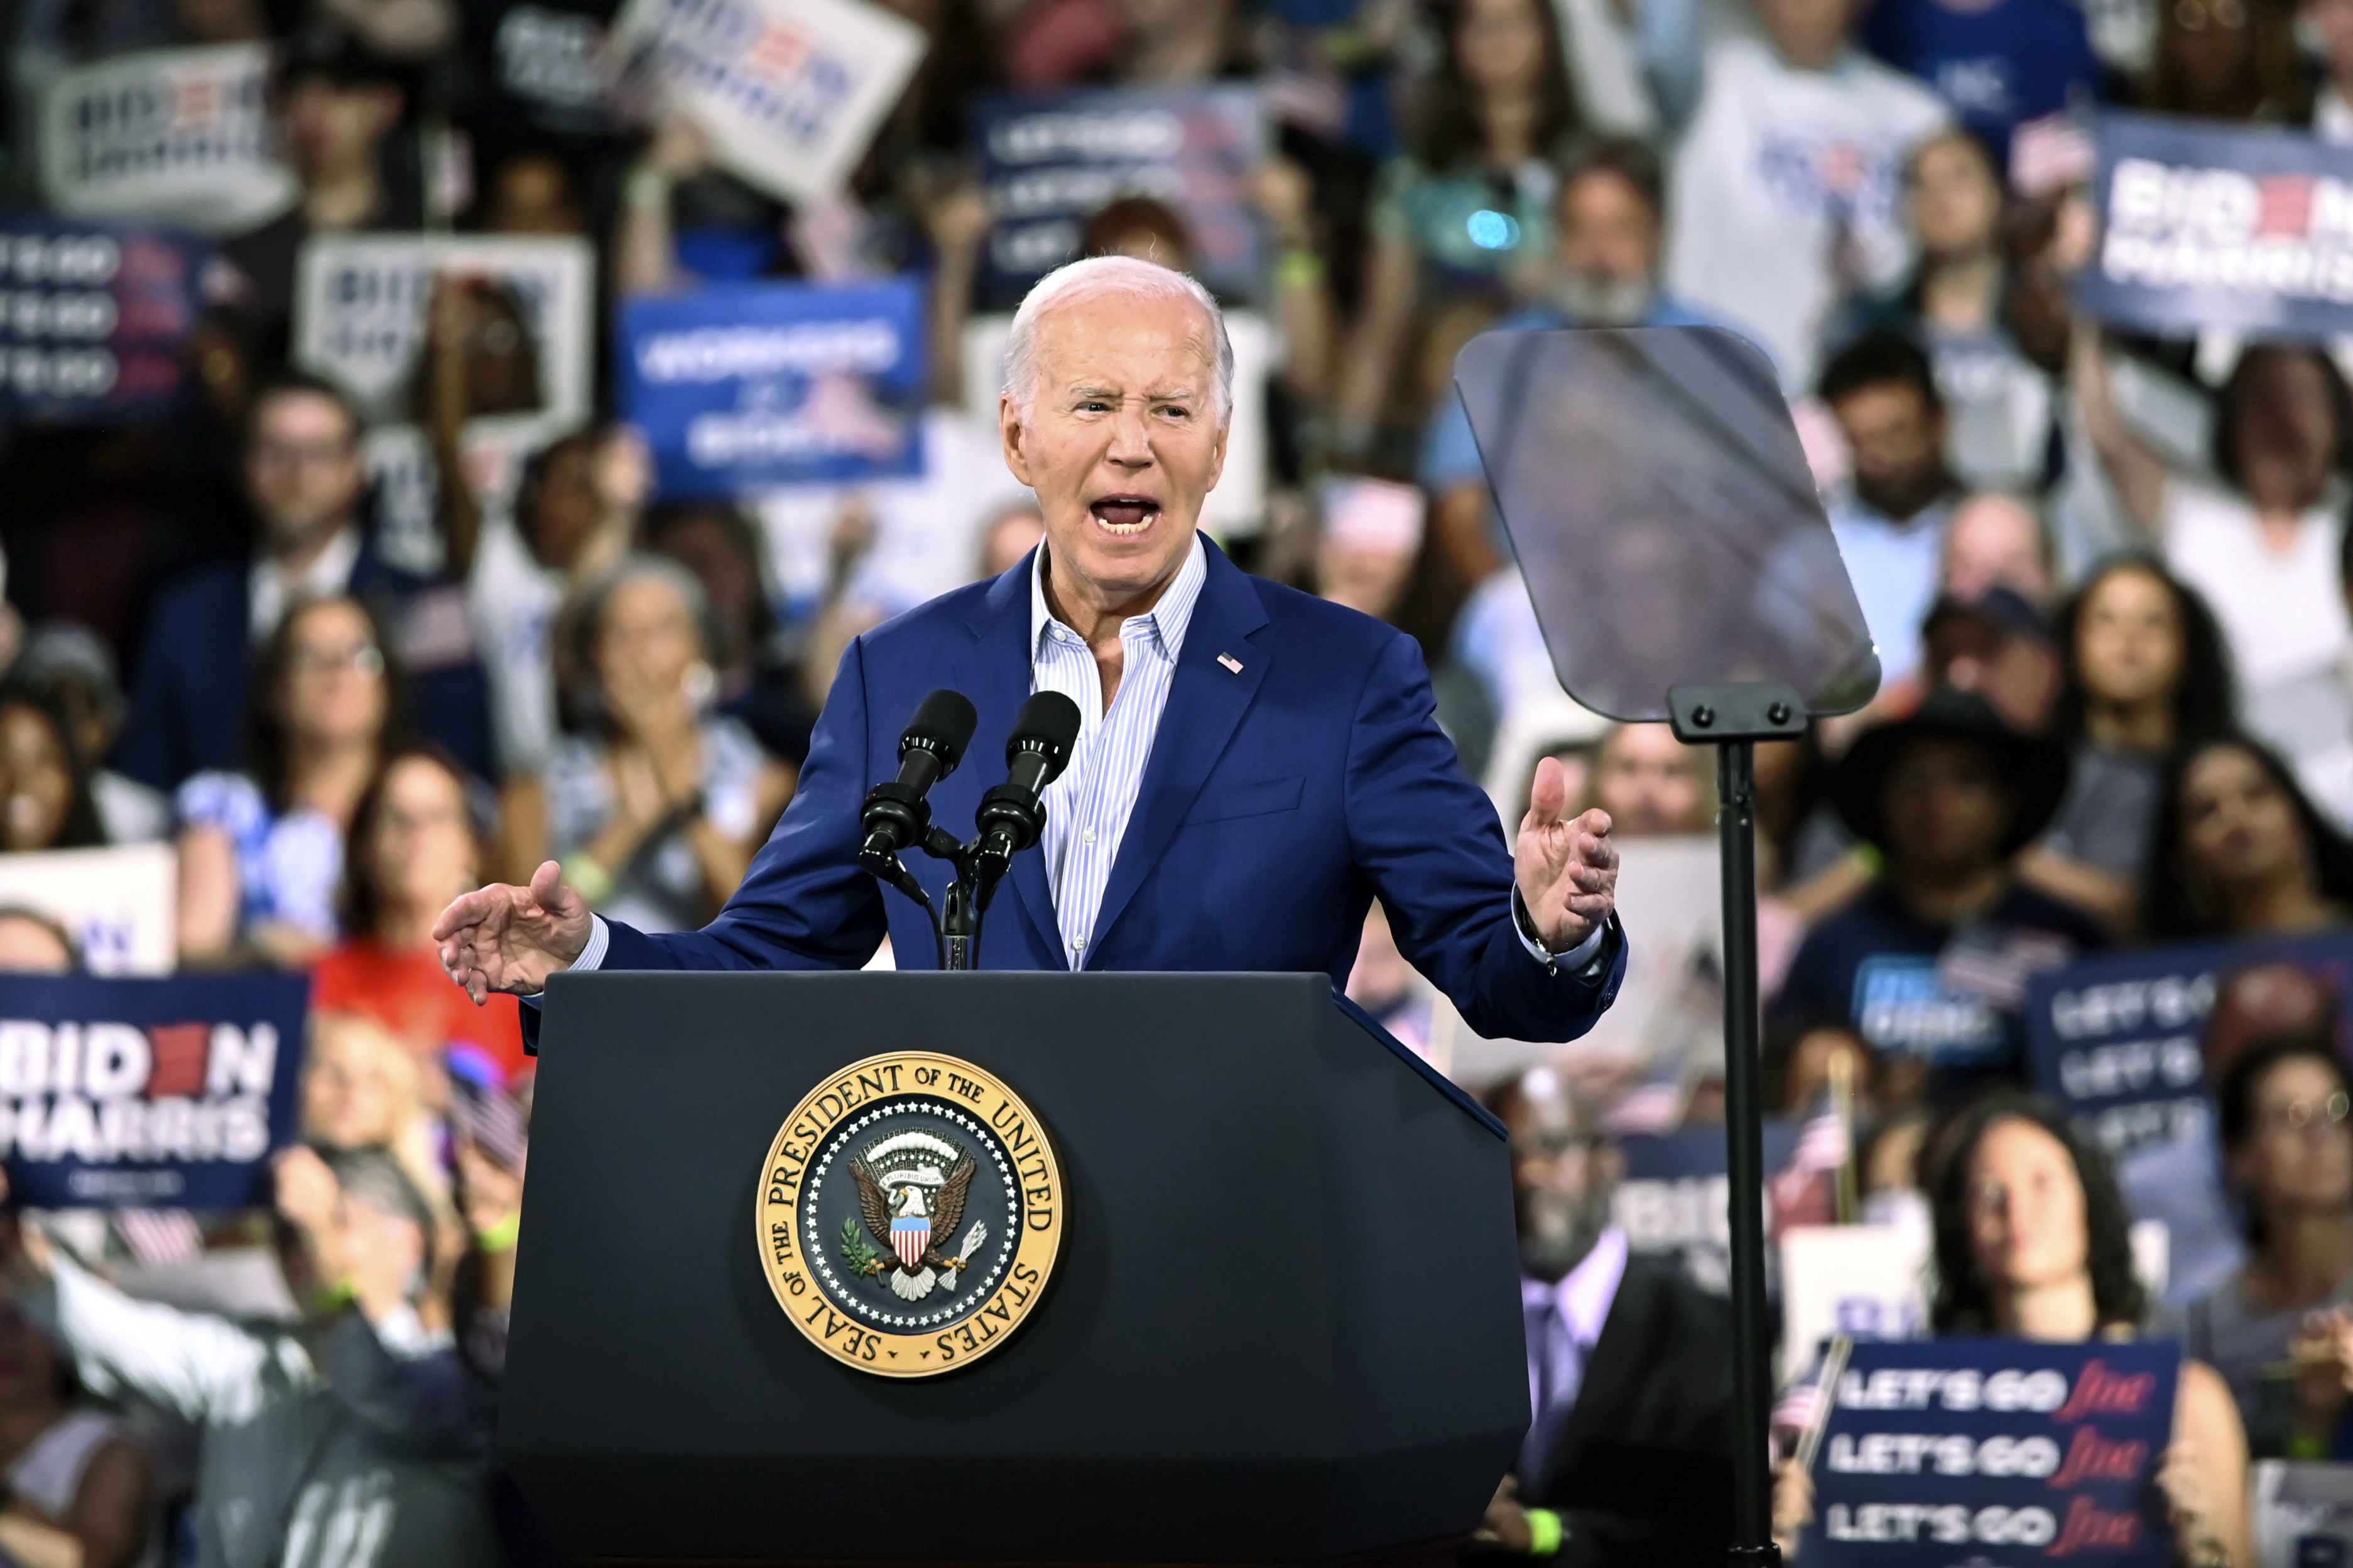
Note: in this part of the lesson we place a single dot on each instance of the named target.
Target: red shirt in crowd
(409, 995)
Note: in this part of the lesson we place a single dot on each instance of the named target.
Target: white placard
(1237, 506)
(790, 92)
(1867, 1281)
(118, 904)
(175, 137)
(2303, 1513)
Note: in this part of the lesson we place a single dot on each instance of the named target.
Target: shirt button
(1087, 835)
(1078, 943)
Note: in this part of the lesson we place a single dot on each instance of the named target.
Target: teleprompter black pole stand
(1733, 718)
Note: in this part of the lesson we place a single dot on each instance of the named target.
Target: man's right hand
(505, 937)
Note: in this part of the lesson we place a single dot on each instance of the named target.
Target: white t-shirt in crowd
(2282, 611)
(514, 600)
(1782, 172)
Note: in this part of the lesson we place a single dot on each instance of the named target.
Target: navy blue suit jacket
(190, 701)
(1277, 801)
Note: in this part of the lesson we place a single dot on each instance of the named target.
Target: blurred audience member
(1891, 522)
(361, 1425)
(2329, 24)
(2237, 850)
(2289, 1156)
(335, 104)
(2264, 552)
(2265, 1001)
(1996, 540)
(1389, 988)
(1953, 306)
(1007, 539)
(2226, 59)
(1787, 183)
(2143, 670)
(1453, 224)
(1629, 1458)
(307, 482)
(1370, 539)
(1999, 645)
(74, 667)
(1652, 784)
(1996, 66)
(32, 943)
(77, 1481)
(415, 845)
(363, 1088)
(2032, 1243)
(718, 544)
(532, 194)
(261, 852)
(44, 800)
(656, 810)
(1932, 960)
(1803, 1057)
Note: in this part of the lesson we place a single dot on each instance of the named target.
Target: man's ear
(1217, 460)
(1009, 428)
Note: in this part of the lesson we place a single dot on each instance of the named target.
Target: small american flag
(160, 1235)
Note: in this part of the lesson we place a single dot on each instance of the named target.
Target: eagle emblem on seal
(911, 1189)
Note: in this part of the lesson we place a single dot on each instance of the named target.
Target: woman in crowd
(2143, 670)
(2227, 60)
(78, 1482)
(1998, 404)
(44, 800)
(416, 844)
(2288, 1151)
(718, 543)
(2264, 550)
(261, 852)
(1470, 210)
(2032, 1243)
(362, 1087)
(656, 810)
(2237, 850)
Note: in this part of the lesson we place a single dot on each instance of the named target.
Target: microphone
(896, 814)
(1013, 815)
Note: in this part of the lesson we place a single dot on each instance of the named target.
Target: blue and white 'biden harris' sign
(760, 384)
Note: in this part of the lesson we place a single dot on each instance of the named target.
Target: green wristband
(589, 880)
(1545, 1532)
(499, 1236)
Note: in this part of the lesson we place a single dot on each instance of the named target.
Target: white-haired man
(1254, 767)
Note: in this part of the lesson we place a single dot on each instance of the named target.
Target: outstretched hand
(505, 937)
(1567, 870)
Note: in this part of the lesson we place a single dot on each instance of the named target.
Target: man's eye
(1093, 406)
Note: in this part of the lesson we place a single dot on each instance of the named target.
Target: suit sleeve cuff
(592, 957)
(1576, 961)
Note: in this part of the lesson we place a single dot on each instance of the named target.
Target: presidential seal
(908, 1214)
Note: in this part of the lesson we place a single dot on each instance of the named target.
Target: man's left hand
(1566, 871)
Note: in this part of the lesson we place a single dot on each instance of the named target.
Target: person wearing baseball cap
(1932, 960)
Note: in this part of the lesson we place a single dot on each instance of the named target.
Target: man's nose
(1131, 441)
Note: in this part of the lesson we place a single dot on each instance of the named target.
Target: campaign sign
(1051, 161)
(756, 385)
(178, 137)
(94, 318)
(2206, 225)
(1995, 1452)
(790, 92)
(147, 1093)
(118, 903)
(2114, 1037)
(1676, 1196)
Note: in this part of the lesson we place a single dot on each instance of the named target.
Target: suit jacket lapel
(1001, 681)
(1206, 701)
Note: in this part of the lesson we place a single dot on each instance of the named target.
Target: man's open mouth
(1125, 514)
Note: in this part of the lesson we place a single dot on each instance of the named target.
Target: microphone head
(1048, 724)
(943, 725)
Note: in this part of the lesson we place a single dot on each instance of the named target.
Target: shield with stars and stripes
(910, 1233)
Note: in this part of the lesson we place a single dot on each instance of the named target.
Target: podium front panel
(1283, 1323)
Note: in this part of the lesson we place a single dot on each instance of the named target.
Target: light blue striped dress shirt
(1087, 808)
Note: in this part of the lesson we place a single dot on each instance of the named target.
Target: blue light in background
(1492, 230)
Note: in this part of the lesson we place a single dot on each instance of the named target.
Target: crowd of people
(2107, 575)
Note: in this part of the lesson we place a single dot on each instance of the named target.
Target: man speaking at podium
(1253, 764)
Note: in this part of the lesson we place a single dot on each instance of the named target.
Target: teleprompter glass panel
(1664, 515)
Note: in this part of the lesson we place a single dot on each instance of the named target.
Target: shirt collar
(1167, 619)
(330, 573)
(1584, 1295)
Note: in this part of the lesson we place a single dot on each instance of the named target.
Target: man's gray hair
(1094, 276)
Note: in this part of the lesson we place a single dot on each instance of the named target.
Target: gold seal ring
(910, 1213)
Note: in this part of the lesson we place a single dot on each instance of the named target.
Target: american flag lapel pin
(1230, 662)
